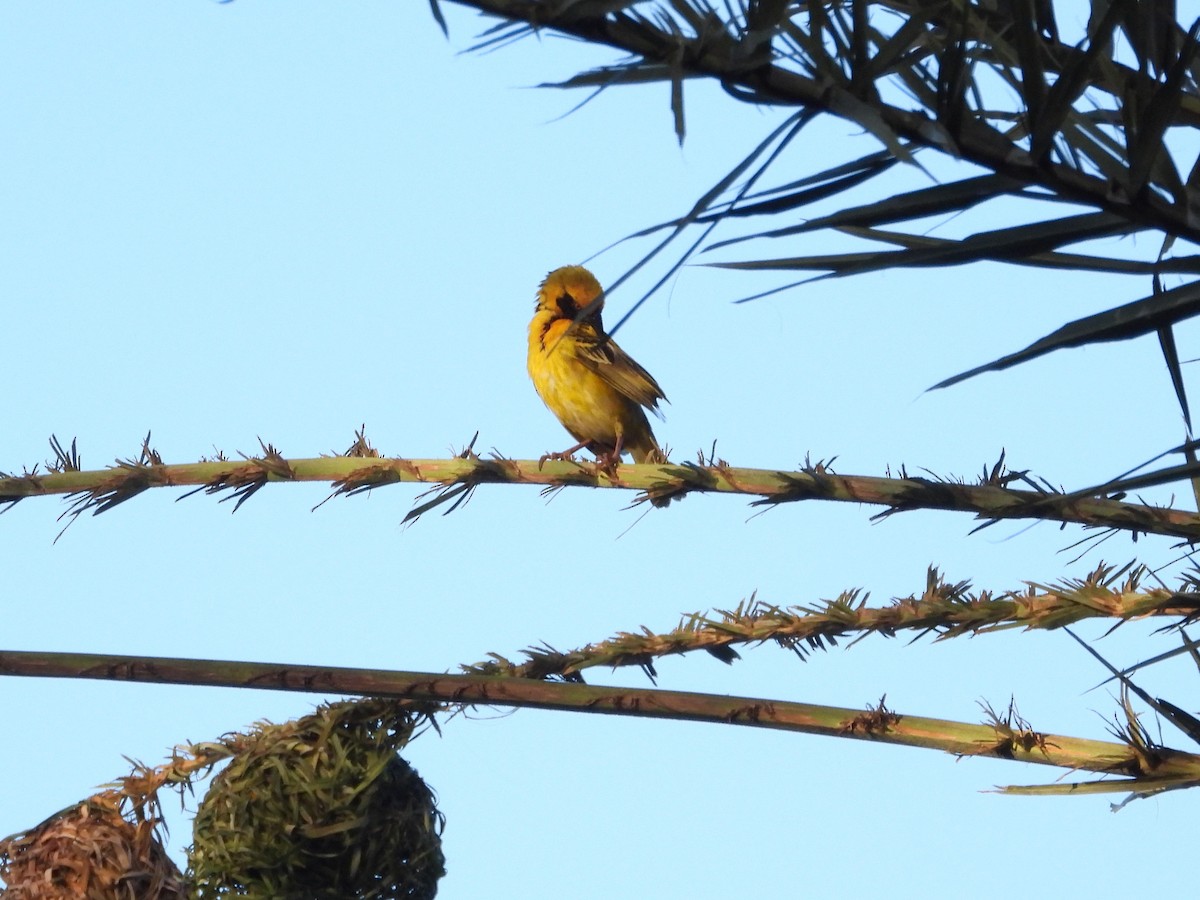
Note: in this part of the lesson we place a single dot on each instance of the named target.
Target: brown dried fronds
(139, 790)
(1013, 733)
(876, 720)
(1151, 767)
(127, 480)
(996, 475)
(679, 481)
(709, 459)
(66, 460)
(147, 456)
(1147, 753)
(91, 850)
(29, 483)
(361, 448)
(246, 480)
(721, 469)
(369, 477)
(1000, 475)
(456, 493)
(459, 489)
(468, 452)
(1103, 592)
(942, 608)
(120, 485)
(820, 467)
(624, 649)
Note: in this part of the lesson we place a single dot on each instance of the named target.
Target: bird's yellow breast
(589, 408)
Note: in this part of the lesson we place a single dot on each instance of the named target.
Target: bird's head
(567, 291)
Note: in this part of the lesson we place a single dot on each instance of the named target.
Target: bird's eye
(567, 306)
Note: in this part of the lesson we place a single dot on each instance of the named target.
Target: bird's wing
(602, 356)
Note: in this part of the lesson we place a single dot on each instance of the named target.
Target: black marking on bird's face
(567, 306)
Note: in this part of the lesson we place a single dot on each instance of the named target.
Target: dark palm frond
(853, 263)
(937, 200)
(1189, 647)
(1145, 316)
(771, 201)
(1166, 340)
(436, 11)
(1184, 721)
(780, 138)
(1025, 244)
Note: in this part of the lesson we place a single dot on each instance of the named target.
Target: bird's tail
(646, 450)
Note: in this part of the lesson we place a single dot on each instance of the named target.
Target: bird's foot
(561, 456)
(554, 456)
(608, 462)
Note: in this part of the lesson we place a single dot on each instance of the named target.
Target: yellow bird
(593, 386)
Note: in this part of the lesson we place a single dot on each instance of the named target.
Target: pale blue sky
(230, 221)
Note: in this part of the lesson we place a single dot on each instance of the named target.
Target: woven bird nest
(89, 851)
(321, 808)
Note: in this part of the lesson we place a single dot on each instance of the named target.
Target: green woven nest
(320, 808)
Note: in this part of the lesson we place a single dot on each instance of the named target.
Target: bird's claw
(560, 456)
(608, 462)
